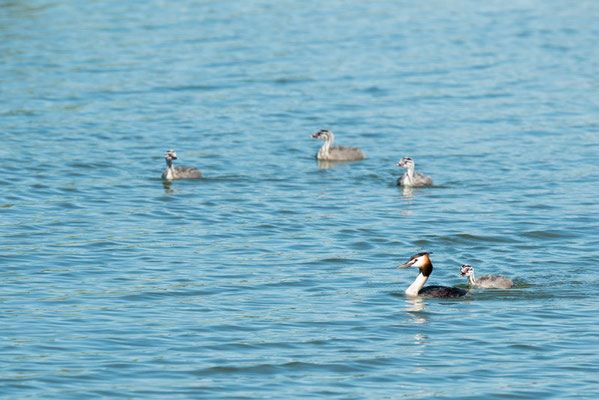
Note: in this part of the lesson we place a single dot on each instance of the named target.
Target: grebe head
(421, 261)
(406, 163)
(467, 270)
(323, 134)
(170, 155)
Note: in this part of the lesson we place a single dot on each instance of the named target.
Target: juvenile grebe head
(170, 155)
(406, 163)
(323, 134)
(421, 261)
(467, 270)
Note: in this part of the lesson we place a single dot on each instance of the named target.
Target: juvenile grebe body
(423, 262)
(173, 173)
(485, 281)
(411, 178)
(335, 153)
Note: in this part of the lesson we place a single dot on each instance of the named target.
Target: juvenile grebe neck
(169, 156)
(423, 263)
(408, 177)
(328, 137)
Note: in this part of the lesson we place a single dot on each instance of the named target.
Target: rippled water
(274, 276)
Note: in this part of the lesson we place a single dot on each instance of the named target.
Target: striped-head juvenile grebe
(173, 173)
(424, 264)
(486, 281)
(336, 153)
(411, 178)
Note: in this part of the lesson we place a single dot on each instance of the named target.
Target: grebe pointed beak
(406, 265)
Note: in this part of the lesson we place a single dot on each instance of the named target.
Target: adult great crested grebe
(411, 178)
(424, 264)
(335, 153)
(173, 173)
(486, 281)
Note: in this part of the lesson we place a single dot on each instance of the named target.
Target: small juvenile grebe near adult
(486, 281)
(411, 178)
(423, 262)
(173, 173)
(335, 153)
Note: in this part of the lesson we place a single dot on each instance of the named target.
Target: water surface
(274, 276)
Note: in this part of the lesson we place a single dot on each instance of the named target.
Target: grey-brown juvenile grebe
(411, 178)
(336, 153)
(486, 281)
(173, 173)
(424, 264)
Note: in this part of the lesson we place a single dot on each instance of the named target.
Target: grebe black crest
(335, 153)
(423, 262)
(485, 281)
(173, 173)
(411, 178)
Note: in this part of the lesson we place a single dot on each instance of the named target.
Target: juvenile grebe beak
(400, 163)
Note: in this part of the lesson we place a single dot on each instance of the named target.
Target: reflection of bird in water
(173, 173)
(167, 186)
(485, 281)
(335, 153)
(424, 264)
(415, 304)
(411, 178)
(407, 193)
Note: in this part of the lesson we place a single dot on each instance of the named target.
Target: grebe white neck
(418, 284)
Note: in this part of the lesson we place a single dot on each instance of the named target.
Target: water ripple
(275, 275)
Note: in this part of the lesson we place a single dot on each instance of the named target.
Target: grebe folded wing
(441, 291)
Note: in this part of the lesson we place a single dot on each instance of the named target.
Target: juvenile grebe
(173, 173)
(486, 281)
(424, 264)
(411, 178)
(336, 153)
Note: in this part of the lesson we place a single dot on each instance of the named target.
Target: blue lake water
(275, 276)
